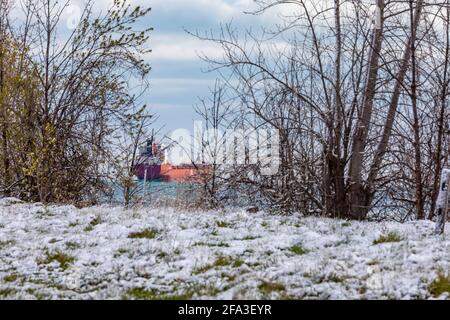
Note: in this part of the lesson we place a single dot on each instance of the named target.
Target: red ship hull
(148, 171)
(184, 173)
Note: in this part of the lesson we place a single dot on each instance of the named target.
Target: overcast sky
(179, 78)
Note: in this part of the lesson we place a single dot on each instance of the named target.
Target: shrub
(440, 285)
(145, 234)
(298, 250)
(390, 237)
(63, 259)
(269, 287)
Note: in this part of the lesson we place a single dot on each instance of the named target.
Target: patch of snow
(228, 255)
(9, 201)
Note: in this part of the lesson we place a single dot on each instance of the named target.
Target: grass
(206, 244)
(440, 285)
(145, 234)
(142, 294)
(238, 263)
(72, 245)
(94, 222)
(223, 224)
(269, 287)
(6, 292)
(37, 295)
(298, 250)
(162, 255)
(120, 252)
(335, 278)
(208, 290)
(220, 262)
(373, 262)
(7, 243)
(248, 238)
(202, 269)
(390, 237)
(11, 278)
(46, 284)
(47, 213)
(63, 259)
(346, 224)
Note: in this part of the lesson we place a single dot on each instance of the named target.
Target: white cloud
(218, 8)
(181, 47)
(178, 85)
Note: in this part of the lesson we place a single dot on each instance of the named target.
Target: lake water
(150, 191)
(154, 193)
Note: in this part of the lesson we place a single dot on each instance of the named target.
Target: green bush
(145, 234)
(390, 237)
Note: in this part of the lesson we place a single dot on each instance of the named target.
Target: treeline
(359, 95)
(69, 81)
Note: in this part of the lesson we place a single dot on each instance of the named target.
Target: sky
(179, 77)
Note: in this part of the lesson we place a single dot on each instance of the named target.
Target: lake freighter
(152, 166)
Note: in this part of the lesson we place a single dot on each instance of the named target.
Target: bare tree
(134, 133)
(351, 94)
(216, 113)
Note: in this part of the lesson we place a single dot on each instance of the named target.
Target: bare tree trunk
(361, 195)
(358, 196)
(392, 111)
(338, 172)
(442, 117)
(420, 214)
(438, 157)
(46, 165)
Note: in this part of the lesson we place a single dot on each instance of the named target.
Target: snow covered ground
(60, 252)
